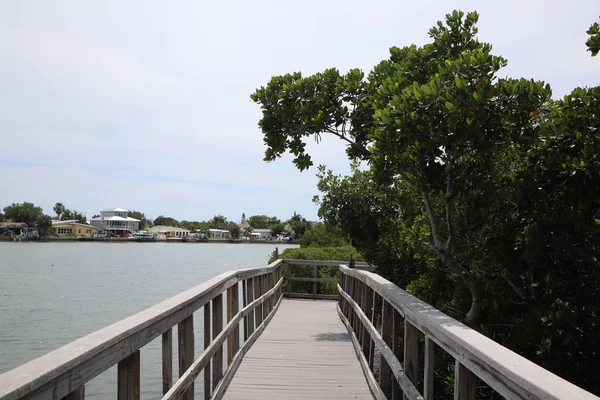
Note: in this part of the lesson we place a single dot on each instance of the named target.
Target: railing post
(77, 394)
(276, 253)
(397, 349)
(217, 317)
(465, 383)
(411, 352)
(257, 293)
(207, 341)
(315, 275)
(128, 377)
(234, 340)
(244, 304)
(368, 310)
(250, 294)
(185, 333)
(167, 360)
(289, 280)
(428, 372)
(387, 333)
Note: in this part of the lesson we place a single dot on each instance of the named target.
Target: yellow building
(73, 229)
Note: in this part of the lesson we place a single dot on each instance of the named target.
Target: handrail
(63, 372)
(508, 373)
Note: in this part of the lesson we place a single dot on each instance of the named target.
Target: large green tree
(30, 214)
(262, 221)
(593, 42)
(481, 193)
(167, 221)
(59, 209)
(144, 222)
(68, 215)
(219, 222)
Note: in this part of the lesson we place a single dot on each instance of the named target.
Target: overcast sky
(145, 104)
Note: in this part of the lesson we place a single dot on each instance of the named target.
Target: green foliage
(144, 222)
(2, 217)
(59, 209)
(234, 230)
(277, 229)
(324, 235)
(263, 221)
(166, 221)
(25, 212)
(593, 42)
(218, 222)
(247, 231)
(322, 253)
(298, 225)
(481, 195)
(43, 223)
(69, 215)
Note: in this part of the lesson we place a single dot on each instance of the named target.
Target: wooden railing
(63, 373)
(310, 284)
(388, 323)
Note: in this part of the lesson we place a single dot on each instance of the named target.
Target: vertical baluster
(289, 280)
(207, 341)
(257, 294)
(398, 350)
(128, 377)
(465, 383)
(360, 299)
(235, 309)
(428, 372)
(315, 275)
(244, 304)
(387, 333)
(411, 352)
(167, 360)
(367, 344)
(250, 294)
(217, 325)
(185, 333)
(229, 316)
(77, 394)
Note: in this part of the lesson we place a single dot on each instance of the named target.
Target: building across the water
(116, 221)
(73, 228)
(170, 231)
(218, 233)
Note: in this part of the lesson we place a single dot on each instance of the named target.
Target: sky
(145, 104)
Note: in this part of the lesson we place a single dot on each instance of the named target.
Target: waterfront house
(170, 231)
(261, 234)
(116, 221)
(218, 233)
(73, 228)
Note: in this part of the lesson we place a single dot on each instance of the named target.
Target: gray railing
(367, 300)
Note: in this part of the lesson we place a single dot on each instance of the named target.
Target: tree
(218, 222)
(2, 217)
(43, 223)
(68, 215)
(234, 230)
(593, 43)
(262, 221)
(248, 231)
(277, 229)
(298, 224)
(25, 212)
(144, 222)
(167, 221)
(324, 235)
(59, 209)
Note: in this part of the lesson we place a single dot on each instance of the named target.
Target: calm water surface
(54, 293)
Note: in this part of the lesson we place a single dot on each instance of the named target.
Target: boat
(142, 236)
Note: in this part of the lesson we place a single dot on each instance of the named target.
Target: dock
(295, 329)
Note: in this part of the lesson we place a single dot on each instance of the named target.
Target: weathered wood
(128, 377)
(77, 394)
(290, 275)
(207, 342)
(244, 303)
(215, 347)
(229, 316)
(167, 360)
(217, 325)
(398, 349)
(387, 332)
(407, 386)
(465, 383)
(185, 336)
(364, 364)
(428, 370)
(315, 277)
(250, 294)
(310, 296)
(315, 280)
(258, 314)
(322, 263)
(411, 351)
(367, 345)
(235, 308)
(509, 374)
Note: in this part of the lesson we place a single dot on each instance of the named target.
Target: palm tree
(248, 231)
(59, 209)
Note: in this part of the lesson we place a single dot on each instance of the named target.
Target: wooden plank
(428, 370)
(77, 394)
(289, 278)
(217, 325)
(407, 386)
(128, 377)
(315, 280)
(465, 383)
(185, 336)
(324, 263)
(310, 296)
(258, 314)
(315, 276)
(229, 316)
(315, 360)
(387, 332)
(244, 303)
(411, 351)
(235, 308)
(509, 374)
(207, 342)
(250, 294)
(167, 360)
(398, 349)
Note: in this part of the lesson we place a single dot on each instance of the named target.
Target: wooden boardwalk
(304, 353)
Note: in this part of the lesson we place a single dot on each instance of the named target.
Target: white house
(116, 221)
(261, 234)
(218, 233)
(170, 231)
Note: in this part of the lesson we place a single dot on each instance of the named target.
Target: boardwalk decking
(304, 353)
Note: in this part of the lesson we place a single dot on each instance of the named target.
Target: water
(54, 293)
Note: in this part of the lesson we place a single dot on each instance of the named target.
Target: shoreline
(127, 240)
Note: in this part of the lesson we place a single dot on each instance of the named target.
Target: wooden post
(167, 360)
(257, 294)
(276, 253)
(368, 309)
(185, 333)
(235, 308)
(465, 383)
(428, 372)
(398, 350)
(411, 352)
(217, 325)
(315, 275)
(77, 394)
(374, 313)
(229, 316)
(207, 341)
(128, 377)
(250, 294)
(387, 334)
(289, 280)
(244, 304)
